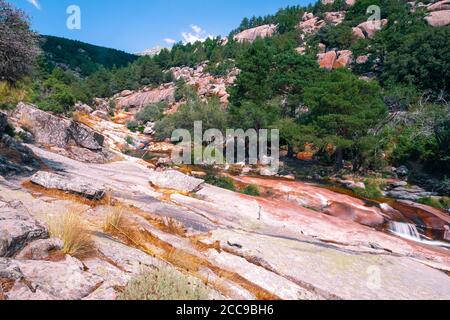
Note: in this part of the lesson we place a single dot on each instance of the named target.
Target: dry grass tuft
(71, 229)
(114, 220)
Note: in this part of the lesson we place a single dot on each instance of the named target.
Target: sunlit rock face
(251, 35)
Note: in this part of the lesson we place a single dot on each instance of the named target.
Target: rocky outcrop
(344, 59)
(327, 60)
(335, 18)
(206, 84)
(71, 184)
(335, 59)
(174, 180)
(438, 18)
(81, 107)
(17, 228)
(40, 249)
(74, 139)
(310, 24)
(368, 29)
(46, 280)
(403, 191)
(146, 97)
(251, 35)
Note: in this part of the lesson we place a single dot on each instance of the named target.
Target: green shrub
(151, 113)
(164, 284)
(221, 182)
(129, 140)
(251, 190)
(438, 203)
(132, 125)
(372, 190)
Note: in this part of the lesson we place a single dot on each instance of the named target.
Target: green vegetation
(82, 57)
(221, 182)
(373, 189)
(251, 190)
(438, 203)
(151, 113)
(164, 284)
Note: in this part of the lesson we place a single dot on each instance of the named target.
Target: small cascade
(405, 230)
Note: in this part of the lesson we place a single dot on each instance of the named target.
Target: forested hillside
(81, 57)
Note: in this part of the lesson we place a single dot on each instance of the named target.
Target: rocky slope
(298, 241)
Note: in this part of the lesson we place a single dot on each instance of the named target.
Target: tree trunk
(339, 159)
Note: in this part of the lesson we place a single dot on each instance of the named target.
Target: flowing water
(409, 231)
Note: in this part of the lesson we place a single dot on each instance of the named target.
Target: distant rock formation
(335, 59)
(152, 52)
(368, 29)
(310, 24)
(438, 18)
(251, 35)
(146, 97)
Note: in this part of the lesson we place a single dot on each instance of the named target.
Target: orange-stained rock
(344, 59)
(251, 35)
(349, 211)
(320, 199)
(305, 156)
(438, 18)
(327, 60)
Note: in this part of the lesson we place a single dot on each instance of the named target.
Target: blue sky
(135, 25)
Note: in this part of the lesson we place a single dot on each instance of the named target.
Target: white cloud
(197, 34)
(35, 3)
(169, 40)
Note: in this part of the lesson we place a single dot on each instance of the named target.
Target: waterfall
(404, 230)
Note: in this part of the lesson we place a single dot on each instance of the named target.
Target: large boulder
(368, 29)
(40, 249)
(47, 129)
(71, 184)
(146, 97)
(17, 228)
(251, 35)
(344, 58)
(438, 18)
(86, 137)
(327, 60)
(310, 24)
(63, 280)
(51, 130)
(174, 180)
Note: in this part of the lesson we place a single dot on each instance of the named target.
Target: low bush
(164, 284)
(251, 190)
